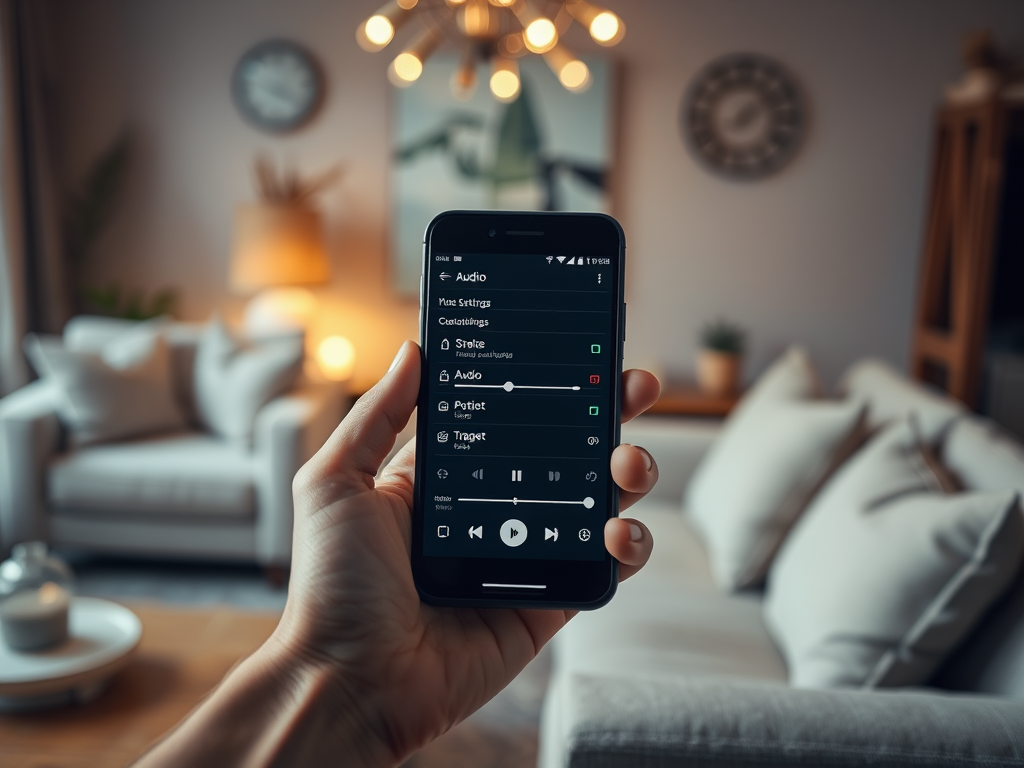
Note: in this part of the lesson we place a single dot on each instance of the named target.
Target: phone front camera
(491, 233)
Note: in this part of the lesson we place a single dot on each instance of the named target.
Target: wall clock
(743, 116)
(277, 85)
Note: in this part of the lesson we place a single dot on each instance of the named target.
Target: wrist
(329, 716)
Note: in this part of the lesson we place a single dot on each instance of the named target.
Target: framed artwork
(548, 150)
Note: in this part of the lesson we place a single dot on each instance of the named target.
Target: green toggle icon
(593, 410)
(595, 348)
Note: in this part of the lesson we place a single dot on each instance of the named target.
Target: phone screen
(520, 408)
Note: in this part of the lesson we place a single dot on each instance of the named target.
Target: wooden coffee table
(183, 654)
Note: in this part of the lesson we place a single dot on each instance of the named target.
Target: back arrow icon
(444, 275)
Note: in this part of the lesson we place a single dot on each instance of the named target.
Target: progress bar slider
(508, 386)
(588, 502)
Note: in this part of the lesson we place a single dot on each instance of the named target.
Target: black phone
(522, 324)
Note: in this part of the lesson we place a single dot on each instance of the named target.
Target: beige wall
(825, 252)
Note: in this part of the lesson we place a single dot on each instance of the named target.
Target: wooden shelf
(690, 401)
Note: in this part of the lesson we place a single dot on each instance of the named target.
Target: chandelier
(492, 33)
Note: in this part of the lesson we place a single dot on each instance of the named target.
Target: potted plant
(720, 358)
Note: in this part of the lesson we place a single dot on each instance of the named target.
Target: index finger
(640, 390)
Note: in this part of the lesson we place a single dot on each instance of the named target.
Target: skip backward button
(476, 532)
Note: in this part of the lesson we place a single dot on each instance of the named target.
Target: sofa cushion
(592, 721)
(670, 620)
(885, 574)
(773, 454)
(983, 457)
(121, 389)
(88, 333)
(992, 659)
(186, 473)
(235, 378)
(891, 396)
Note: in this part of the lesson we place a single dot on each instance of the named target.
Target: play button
(513, 533)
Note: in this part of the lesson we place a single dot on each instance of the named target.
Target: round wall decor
(277, 85)
(743, 116)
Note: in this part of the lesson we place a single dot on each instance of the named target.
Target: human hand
(405, 671)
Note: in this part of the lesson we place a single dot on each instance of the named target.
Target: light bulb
(541, 35)
(505, 82)
(379, 30)
(572, 73)
(605, 27)
(407, 67)
(574, 76)
(337, 358)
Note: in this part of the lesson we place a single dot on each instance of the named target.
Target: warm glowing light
(502, 3)
(407, 67)
(572, 73)
(605, 27)
(407, 5)
(505, 79)
(337, 358)
(475, 19)
(541, 35)
(575, 76)
(379, 30)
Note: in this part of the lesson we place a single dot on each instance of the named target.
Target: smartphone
(522, 324)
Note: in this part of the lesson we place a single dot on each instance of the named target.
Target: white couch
(185, 494)
(673, 672)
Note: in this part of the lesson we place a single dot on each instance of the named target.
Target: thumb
(359, 445)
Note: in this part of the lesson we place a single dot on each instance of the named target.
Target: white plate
(103, 635)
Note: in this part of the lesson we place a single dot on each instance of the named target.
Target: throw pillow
(123, 389)
(235, 379)
(885, 574)
(890, 396)
(774, 451)
(777, 463)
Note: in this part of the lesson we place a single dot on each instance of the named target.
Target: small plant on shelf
(723, 336)
(720, 358)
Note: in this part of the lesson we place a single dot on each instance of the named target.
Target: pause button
(513, 533)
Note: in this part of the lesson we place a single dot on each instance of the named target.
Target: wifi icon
(560, 259)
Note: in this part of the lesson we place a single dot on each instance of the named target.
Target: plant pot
(718, 373)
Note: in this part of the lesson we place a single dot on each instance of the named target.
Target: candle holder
(35, 595)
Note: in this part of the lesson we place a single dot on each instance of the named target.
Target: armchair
(182, 494)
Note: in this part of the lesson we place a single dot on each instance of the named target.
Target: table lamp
(278, 252)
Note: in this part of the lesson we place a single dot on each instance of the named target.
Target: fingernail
(635, 532)
(401, 352)
(648, 459)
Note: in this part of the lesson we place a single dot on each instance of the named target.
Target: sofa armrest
(677, 444)
(607, 722)
(289, 430)
(29, 435)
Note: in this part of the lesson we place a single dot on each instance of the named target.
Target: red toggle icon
(595, 379)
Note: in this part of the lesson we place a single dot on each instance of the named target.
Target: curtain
(33, 288)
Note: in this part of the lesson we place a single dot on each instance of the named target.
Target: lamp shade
(277, 245)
